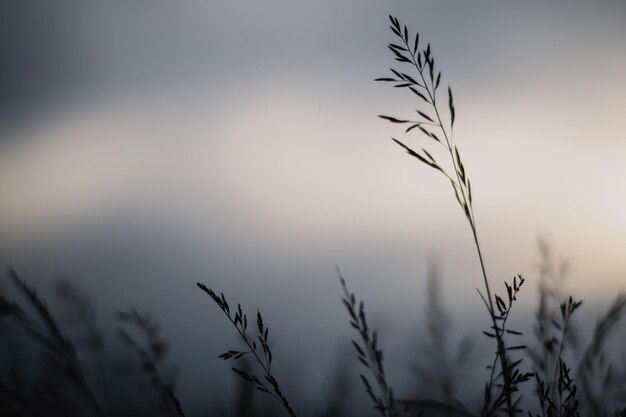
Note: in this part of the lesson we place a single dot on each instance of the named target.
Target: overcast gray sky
(149, 145)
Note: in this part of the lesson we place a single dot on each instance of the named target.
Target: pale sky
(153, 146)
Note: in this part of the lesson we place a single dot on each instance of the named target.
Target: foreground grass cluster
(553, 375)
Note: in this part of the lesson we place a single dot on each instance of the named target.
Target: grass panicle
(261, 352)
(425, 84)
(556, 390)
(556, 387)
(494, 403)
(369, 354)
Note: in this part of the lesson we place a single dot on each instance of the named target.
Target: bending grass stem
(501, 351)
(266, 369)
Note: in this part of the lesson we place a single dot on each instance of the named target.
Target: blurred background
(146, 146)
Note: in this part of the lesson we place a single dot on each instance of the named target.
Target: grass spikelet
(426, 82)
(261, 352)
(369, 354)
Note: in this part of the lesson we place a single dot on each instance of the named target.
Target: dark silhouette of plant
(261, 352)
(44, 329)
(80, 310)
(441, 364)
(556, 390)
(548, 327)
(152, 356)
(598, 378)
(517, 377)
(425, 84)
(599, 384)
(245, 392)
(369, 354)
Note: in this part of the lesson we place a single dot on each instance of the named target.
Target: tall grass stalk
(425, 87)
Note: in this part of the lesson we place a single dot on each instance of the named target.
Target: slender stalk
(265, 366)
(369, 354)
(499, 339)
(240, 322)
(459, 185)
(558, 356)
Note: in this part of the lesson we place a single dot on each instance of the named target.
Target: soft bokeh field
(149, 146)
